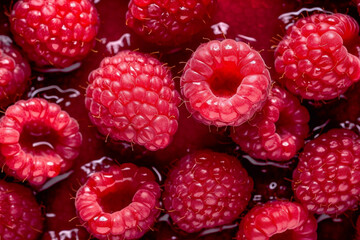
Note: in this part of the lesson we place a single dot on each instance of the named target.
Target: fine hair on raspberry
(277, 131)
(14, 73)
(224, 83)
(278, 220)
(122, 202)
(53, 32)
(132, 97)
(38, 140)
(327, 177)
(206, 189)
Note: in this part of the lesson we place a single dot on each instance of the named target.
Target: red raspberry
(276, 132)
(132, 97)
(168, 22)
(135, 209)
(38, 140)
(225, 83)
(54, 32)
(327, 177)
(206, 189)
(14, 73)
(20, 214)
(278, 220)
(313, 57)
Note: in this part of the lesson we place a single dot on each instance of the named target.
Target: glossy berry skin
(277, 131)
(168, 23)
(358, 229)
(20, 214)
(14, 73)
(120, 203)
(224, 83)
(55, 33)
(25, 127)
(278, 220)
(132, 97)
(206, 189)
(313, 58)
(327, 177)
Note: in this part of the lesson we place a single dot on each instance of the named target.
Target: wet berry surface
(257, 22)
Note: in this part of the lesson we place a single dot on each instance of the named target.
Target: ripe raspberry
(225, 83)
(135, 209)
(38, 140)
(277, 131)
(131, 97)
(56, 33)
(278, 220)
(206, 189)
(14, 74)
(168, 22)
(327, 177)
(20, 214)
(313, 57)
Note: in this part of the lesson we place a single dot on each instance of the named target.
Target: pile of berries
(112, 129)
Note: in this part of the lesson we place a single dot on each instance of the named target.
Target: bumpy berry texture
(225, 83)
(168, 22)
(132, 97)
(206, 189)
(14, 73)
(327, 177)
(313, 57)
(120, 203)
(278, 220)
(20, 214)
(277, 131)
(56, 33)
(38, 140)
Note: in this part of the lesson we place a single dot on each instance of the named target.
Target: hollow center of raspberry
(282, 123)
(117, 197)
(225, 81)
(288, 234)
(37, 138)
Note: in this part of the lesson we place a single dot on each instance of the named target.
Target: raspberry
(56, 33)
(327, 177)
(20, 214)
(131, 97)
(14, 73)
(168, 22)
(135, 209)
(206, 189)
(38, 140)
(278, 220)
(225, 83)
(313, 57)
(277, 131)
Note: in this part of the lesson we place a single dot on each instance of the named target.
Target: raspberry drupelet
(327, 178)
(38, 140)
(313, 57)
(277, 131)
(206, 189)
(278, 220)
(168, 23)
(20, 214)
(14, 73)
(224, 83)
(132, 97)
(55, 33)
(120, 203)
